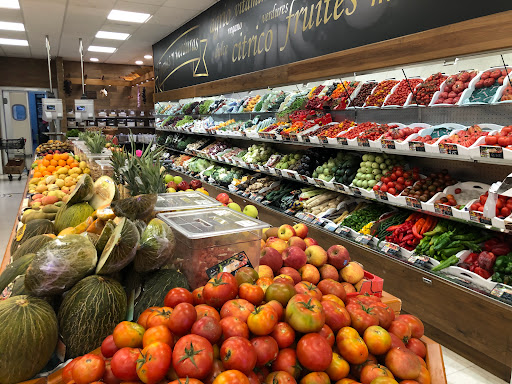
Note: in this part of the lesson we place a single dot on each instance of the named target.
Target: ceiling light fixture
(8, 26)
(134, 17)
(95, 48)
(94, 59)
(11, 4)
(139, 62)
(148, 57)
(112, 35)
(22, 43)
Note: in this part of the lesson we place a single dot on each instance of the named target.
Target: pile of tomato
(503, 205)
(400, 134)
(335, 130)
(247, 329)
(502, 138)
(360, 128)
(465, 137)
(424, 92)
(376, 99)
(376, 131)
(402, 92)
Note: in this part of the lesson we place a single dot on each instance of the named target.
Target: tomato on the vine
(154, 362)
(192, 357)
(88, 369)
(262, 320)
(219, 289)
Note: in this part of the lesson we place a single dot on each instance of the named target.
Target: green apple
(235, 207)
(251, 210)
(178, 179)
(168, 179)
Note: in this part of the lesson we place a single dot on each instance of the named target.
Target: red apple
(223, 198)
(301, 230)
(285, 232)
(294, 257)
(293, 273)
(349, 288)
(271, 257)
(172, 184)
(194, 184)
(316, 255)
(309, 241)
(338, 256)
(279, 244)
(310, 273)
(328, 271)
(184, 185)
(297, 242)
(353, 273)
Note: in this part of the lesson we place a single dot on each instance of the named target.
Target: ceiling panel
(12, 15)
(123, 5)
(150, 2)
(14, 51)
(190, 4)
(98, 4)
(114, 26)
(173, 17)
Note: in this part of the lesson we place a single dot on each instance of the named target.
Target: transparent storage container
(183, 201)
(101, 168)
(205, 237)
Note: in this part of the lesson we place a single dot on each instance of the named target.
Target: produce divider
(485, 346)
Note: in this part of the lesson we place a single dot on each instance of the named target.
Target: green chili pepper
(452, 260)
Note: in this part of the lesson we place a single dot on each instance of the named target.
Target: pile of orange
(50, 164)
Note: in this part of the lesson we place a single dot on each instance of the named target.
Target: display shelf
(124, 117)
(278, 174)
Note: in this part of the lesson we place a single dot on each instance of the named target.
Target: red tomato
(277, 307)
(238, 353)
(186, 380)
(305, 314)
(209, 328)
(108, 347)
(332, 287)
(313, 352)
(143, 317)
(217, 369)
(161, 316)
(283, 334)
(124, 364)
(505, 211)
(262, 320)
(205, 310)
(154, 362)
(336, 316)
(233, 326)
(416, 345)
(266, 350)
(287, 361)
(403, 363)
(310, 289)
(316, 378)
(159, 333)
(377, 340)
(491, 140)
(88, 369)
(338, 369)
(253, 378)
(67, 372)
(327, 333)
(400, 329)
(280, 377)
(108, 376)
(178, 295)
(220, 289)
(416, 325)
(239, 308)
(192, 357)
(352, 347)
(252, 293)
(371, 371)
(231, 377)
(198, 296)
(128, 334)
(336, 299)
(264, 282)
(182, 318)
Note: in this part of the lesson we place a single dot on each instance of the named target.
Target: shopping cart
(14, 165)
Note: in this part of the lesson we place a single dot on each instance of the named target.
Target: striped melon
(156, 247)
(105, 235)
(89, 313)
(72, 215)
(136, 207)
(60, 264)
(32, 245)
(83, 190)
(13, 270)
(29, 230)
(120, 249)
(28, 336)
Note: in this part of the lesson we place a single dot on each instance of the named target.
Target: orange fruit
(56, 156)
(42, 168)
(58, 167)
(73, 165)
(53, 162)
(38, 174)
(62, 163)
(46, 162)
(70, 160)
(64, 156)
(51, 168)
(48, 157)
(46, 173)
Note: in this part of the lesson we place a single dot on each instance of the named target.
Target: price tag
(364, 239)
(299, 215)
(329, 225)
(388, 144)
(448, 149)
(420, 261)
(278, 172)
(304, 178)
(363, 142)
(259, 198)
(290, 212)
(309, 217)
(231, 265)
(416, 146)
(323, 139)
(306, 139)
(338, 186)
(265, 202)
(478, 217)
(390, 249)
(443, 209)
(243, 134)
(318, 221)
(253, 196)
(286, 174)
(320, 182)
(285, 137)
(294, 138)
(491, 152)
(412, 202)
(381, 195)
(502, 291)
(356, 191)
(342, 140)
(261, 134)
(246, 194)
(344, 231)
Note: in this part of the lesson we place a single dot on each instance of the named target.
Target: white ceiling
(65, 21)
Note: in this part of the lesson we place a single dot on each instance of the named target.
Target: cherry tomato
(178, 295)
(192, 357)
(88, 369)
(262, 320)
(238, 353)
(124, 364)
(128, 334)
(159, 333)
(154, 362)
(221, 288)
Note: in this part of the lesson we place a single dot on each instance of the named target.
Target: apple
(183, 186)
(337, 255)
(271, 232)
(352, 273)
(310, 273)
(171, 190)
(223, 198)
(359, 284)
(349, 288)
(309, 241)
(277, 243)
(178, 179)
(293, 273)
(251, 211)
(285, 232)
(297, 242)
(235, 207)
(328, 271)
(316, 255)
(301, 230)
(172, 184)
(194, 184)
(168, 178)
(265, 271)
(285, 279)
(294, 257)
(271, 257)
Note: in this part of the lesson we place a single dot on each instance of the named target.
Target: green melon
(28, 336)
(89, 313)
(104, 192)
(18, 287)
(156, 287)
(72, 215)
(83, 191)
(105, 235)
(29, 230)
(156, 247)
(60, 264)
(32, 245)
(13, 270)
(120, 249)
(137, 207)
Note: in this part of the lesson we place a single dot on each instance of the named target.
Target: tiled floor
(458, 369)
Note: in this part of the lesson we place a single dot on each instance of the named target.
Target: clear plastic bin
(184, 200)
(101, 168)
(205, 237)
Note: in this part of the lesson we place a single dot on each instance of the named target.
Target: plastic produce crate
(184, 201)
(205, 237)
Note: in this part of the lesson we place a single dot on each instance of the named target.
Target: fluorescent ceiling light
(112, 35)
(95, 48)
(148, 57)
(20, 42)
(139, 62)
(8, 26)
(134, 17)
(12, 4)
(94, 59)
